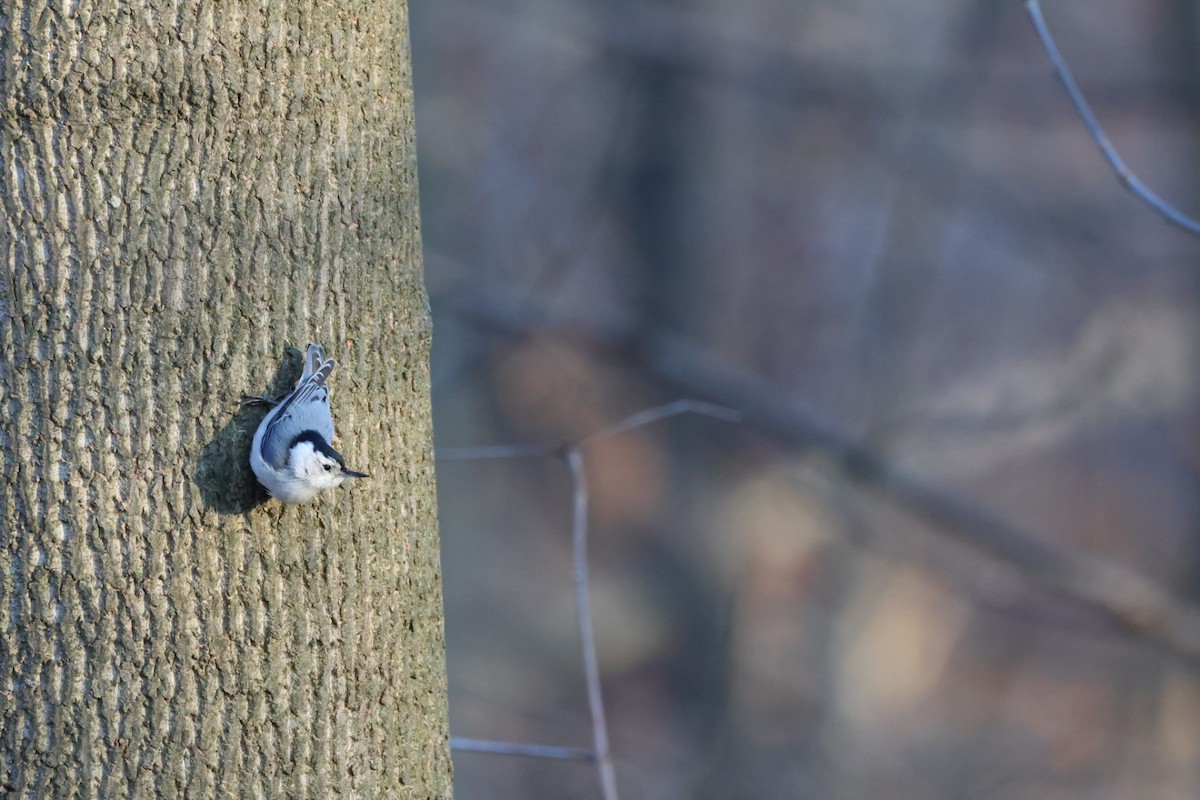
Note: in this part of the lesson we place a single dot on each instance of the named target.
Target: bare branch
(1129, 180)
(583, 609)
(514, 749)
(1135, 605)
(495, 451)
(662, 412)
(637, 420)
(1132, 603)
(601, 754)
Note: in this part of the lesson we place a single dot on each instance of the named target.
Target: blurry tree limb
(1131, 602)
(1134, 605)
(1128, 179)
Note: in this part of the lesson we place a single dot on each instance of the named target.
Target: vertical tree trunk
(186, 189)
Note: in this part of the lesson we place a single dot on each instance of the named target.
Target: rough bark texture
(187, 191)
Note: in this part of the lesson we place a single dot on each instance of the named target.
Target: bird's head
(312, 461)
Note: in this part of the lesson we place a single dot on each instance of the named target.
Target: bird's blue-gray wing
(305, 409)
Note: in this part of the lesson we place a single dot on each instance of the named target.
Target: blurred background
(881, 230)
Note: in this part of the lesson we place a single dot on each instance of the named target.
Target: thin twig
(644, 417)
(513, 749)
(601, 755)
(662, 412)
(494, 451)
(583, 609)
(1129, 180)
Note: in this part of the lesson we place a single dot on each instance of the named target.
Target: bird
(291, 454)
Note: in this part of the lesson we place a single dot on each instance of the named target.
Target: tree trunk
(187, 191)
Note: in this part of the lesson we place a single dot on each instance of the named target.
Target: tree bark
(187, 191)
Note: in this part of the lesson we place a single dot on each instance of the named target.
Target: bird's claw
(259, 399)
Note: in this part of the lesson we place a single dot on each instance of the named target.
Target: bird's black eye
(328, 467)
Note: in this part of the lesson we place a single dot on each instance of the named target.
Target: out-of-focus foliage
(888, 216)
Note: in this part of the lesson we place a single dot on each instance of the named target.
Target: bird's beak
(349, 473)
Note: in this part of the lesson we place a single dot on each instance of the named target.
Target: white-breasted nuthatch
(291, 454)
